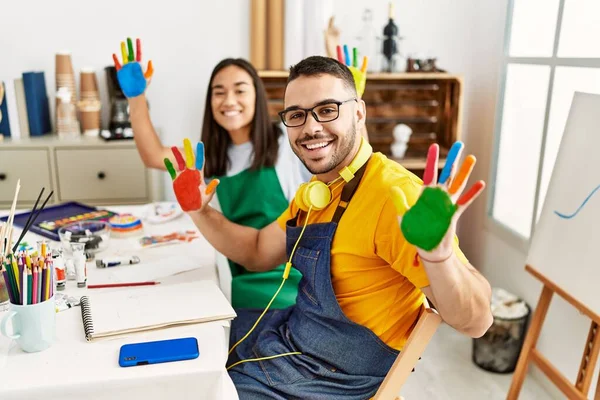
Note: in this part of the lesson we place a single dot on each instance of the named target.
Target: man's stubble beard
(337, 157)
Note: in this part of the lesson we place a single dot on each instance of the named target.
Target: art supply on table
(116, 261)
(79, 260)
(125, 225)
(59, 269)
(6, 229)
(51, 219)
(29, 277)
(114, 313)
(64, 302)
(162, 212)
(70, 269)
(171, 238)
(94, 234)
(122, 284)
(28, 280)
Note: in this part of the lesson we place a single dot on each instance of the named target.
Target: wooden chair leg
(415, 345)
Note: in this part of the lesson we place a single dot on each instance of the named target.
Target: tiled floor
(446, 372)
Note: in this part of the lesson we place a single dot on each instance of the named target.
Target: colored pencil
(40, 284)
(35, 290)
(24, 287)
(29, 287)
(9, 289)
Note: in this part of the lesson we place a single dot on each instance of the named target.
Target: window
(550, 53)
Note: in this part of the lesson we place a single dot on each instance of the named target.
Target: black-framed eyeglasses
(324, 112)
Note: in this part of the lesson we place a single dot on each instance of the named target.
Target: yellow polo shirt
(375, 273)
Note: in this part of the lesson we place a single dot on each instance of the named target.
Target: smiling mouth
(316, 145)
(231, 113)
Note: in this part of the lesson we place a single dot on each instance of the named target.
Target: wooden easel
(580, 389)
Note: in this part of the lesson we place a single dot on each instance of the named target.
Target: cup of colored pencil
(29, 279)
(29, 282)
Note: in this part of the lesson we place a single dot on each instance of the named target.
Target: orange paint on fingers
(463, 174)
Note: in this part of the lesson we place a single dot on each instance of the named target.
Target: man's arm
(256, 250)
(460, 294)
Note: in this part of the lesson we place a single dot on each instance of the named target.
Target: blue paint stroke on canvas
(569, 216)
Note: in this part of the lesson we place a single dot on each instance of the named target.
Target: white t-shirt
(290, 171)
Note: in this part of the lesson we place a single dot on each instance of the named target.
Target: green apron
(254, 198)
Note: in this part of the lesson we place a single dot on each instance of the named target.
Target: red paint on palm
(187, 190)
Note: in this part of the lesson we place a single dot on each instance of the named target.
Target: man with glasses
(363, 284)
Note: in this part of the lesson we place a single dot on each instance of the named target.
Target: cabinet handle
(2, 176)
(101, 175)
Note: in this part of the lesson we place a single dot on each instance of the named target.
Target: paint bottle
(59, 269)
(79, 261)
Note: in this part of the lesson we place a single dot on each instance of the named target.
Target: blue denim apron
(340, 359)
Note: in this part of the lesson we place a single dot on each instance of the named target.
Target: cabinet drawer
(100, 174)
(32, 167)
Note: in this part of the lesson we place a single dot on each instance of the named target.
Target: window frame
(496, 226)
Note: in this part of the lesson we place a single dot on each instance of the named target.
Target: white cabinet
(88, 170)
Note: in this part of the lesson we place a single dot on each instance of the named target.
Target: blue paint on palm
(132, 80)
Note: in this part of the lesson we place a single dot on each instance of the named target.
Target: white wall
(184, 39)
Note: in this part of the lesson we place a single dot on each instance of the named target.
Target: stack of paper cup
(65, 78)
(89, 104)
(67, 124)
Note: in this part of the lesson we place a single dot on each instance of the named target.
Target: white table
(75, 369)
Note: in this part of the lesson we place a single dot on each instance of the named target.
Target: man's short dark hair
(318, 65)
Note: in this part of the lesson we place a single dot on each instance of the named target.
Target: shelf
(376, 75)
(416, 163)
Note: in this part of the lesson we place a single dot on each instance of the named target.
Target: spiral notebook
(144, 308)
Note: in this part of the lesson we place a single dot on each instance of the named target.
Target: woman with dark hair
(258, 172)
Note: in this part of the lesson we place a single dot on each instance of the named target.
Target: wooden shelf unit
(429, 103)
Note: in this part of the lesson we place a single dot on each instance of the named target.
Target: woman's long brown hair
(264, 134)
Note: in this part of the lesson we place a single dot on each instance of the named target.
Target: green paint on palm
(426, 223)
